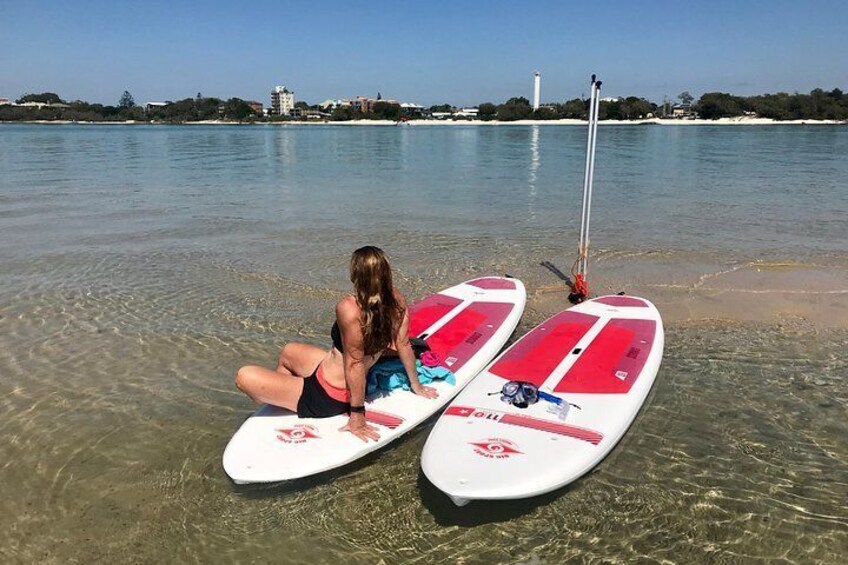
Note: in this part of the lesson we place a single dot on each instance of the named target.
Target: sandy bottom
(117, 400)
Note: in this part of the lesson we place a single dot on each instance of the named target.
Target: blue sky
(426, 52)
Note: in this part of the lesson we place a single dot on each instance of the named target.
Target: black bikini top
(419, 346)
(336, 336)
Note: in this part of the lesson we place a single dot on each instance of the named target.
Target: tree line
(817, 105)
(199, 108)
(631, 108)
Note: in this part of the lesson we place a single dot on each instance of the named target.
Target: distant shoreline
(738, 121)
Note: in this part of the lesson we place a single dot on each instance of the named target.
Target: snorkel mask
(522, 394)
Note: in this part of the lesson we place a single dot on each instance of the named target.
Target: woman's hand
(358, 426)
(425, 391)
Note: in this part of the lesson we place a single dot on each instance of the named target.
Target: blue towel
(390, 375)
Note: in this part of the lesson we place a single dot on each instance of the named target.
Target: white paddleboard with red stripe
(467, 325)
(602, 355)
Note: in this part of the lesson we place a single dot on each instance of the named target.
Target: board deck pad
(602, 356)
(467, 325)
(536, 355)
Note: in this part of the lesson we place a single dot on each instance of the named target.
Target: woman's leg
(284, 386)
(299, 359)
(270, 387)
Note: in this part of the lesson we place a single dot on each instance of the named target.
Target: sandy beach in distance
(744, 121)
(740, 121)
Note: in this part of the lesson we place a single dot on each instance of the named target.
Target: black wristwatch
(357, 409)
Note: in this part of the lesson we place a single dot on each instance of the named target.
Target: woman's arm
(407, 357)
(354, 369)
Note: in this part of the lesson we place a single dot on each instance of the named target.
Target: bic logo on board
(495, 448)
(301, 433)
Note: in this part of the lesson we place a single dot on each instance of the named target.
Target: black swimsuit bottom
(315, 402)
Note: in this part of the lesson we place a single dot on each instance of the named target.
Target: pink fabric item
(430, 359)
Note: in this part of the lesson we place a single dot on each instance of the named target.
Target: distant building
(330, 104)
(682, 111)
(150, 106)
(612, 99)
(315, 115)
(362, 104)
(467, 113)
(4, 102)
(410, 109)
(282, 101)
(365, 104)
(257, 107)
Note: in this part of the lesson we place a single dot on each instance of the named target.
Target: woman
(318, 384)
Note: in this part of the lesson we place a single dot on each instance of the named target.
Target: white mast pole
(587, 182)
(593, 125)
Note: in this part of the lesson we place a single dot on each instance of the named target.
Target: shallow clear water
(141, 265)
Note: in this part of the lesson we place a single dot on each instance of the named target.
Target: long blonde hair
(382, 314)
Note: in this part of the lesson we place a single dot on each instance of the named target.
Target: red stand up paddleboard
(601, 357)
(466, 325)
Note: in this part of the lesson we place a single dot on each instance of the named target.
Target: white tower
(537, 86)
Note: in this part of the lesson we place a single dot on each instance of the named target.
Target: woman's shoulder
(347, 308)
